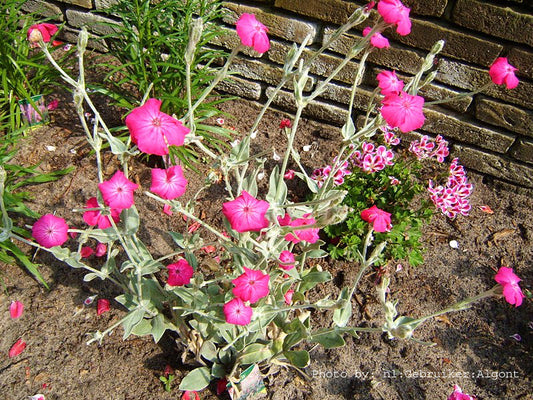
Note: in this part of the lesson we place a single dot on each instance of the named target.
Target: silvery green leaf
(178, 239)
(328, 339)
(158, 327)
(277, 192)
(255, 353)
(312, 277)
(208, 351)
(348, 130)
(89, 277)
(196, 380)
(130, 216)
(143, 328)
(342, 315)
(311, 184)
(218, 371)
(131, 320)
(65, 255)
(298, 358)
(117, 146)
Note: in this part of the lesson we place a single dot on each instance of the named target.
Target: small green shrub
(396, 197)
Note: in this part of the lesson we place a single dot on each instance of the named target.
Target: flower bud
(195, 34)
(82, 40)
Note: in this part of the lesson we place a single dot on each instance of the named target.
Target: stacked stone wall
(491, 132)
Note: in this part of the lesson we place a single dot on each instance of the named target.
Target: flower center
(156, 121)
(251, 282)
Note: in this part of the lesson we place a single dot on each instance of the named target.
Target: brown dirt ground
(473, 348)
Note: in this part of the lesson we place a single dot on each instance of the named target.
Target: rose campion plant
(240, 291)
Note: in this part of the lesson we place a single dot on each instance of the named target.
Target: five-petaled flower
(380, 219)
(403, 111)
(237, 313)
(286, 259)
(95, 217)
(501, 72)
(395, 13)
(309, 235)
(118, 191)
(50, 231)
(246, 213)
(179, 273)
(509, 281)
(377, 39)
(152, 130)
(389, 83)
(253, 33)
(251, 286)
(168, 183)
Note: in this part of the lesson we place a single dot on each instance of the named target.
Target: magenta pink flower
(251, 286)
(377, 40)
(152, 130)
(118, 191)
(15, 309)
(52, 105)
(306, 235)
(285, 123)
(395, 13)
(379, 218)
(50, 231)
(101, 249)
(179, 273)
(502, 72)
(459, 395)
(389, 83)
(168, 183)
(511, 291)
(288, 297)
(286, 259)
(86, 251)
(95, 217)
(44, 31)
(289, 174)
(102, 306)
(404, 111)
(253, 33)
(246, 213)
(17, 348)
(237, 313)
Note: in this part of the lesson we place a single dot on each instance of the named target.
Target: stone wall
(491, 132)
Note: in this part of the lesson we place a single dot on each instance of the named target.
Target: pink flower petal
(15, 309)
(102, 306)
(17, 348)
(86, 251)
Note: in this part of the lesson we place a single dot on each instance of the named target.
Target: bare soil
(473, 348)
